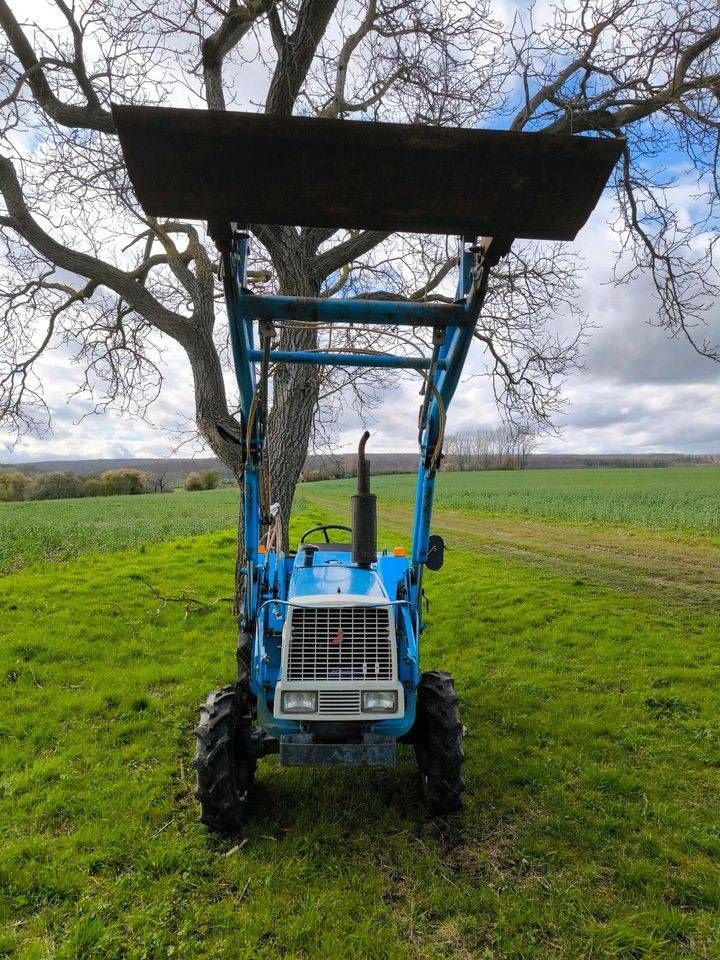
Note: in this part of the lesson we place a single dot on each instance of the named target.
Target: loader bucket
(252, 168)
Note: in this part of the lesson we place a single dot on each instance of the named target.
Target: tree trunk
(295, 394)
(222, 431)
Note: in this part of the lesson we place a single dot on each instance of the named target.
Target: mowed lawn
(587, 658)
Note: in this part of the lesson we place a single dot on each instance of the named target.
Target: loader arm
(497, 185)
(454, 323)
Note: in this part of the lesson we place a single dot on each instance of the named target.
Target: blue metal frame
(267, 576)
(444, 379)
(323, 359)
(386, 312)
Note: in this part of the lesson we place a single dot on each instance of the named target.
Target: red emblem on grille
(337, 639)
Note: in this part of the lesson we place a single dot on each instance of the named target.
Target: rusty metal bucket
(252, 168)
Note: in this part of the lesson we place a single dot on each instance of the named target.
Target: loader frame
(455, 324)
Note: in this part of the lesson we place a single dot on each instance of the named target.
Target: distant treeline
(466, 450)
(600, 460)
(66, 485)
(502, 448)
(173, 470)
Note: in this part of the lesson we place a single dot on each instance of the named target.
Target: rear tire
(225, 761)
(438, 743)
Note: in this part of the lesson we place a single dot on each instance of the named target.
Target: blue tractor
(328, 659)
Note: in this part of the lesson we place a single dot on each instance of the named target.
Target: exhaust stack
(363, 513)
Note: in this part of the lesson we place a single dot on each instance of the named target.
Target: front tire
(224, 760)
(438, 743)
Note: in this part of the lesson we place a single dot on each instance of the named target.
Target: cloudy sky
(639, 392)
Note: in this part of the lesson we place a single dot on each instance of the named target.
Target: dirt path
(624, 559)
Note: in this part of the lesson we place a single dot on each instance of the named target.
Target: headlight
(379, 701)
(299, 701)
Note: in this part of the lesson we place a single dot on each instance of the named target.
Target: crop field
(60, 529)
(582, 625)
(682, 499)
(679, 500)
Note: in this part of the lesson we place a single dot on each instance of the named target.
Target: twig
(133, 624)
(192, 604)
(163, 827)
(238, 846)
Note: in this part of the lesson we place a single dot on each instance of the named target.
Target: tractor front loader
(329, 668)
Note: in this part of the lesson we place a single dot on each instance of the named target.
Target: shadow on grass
(355, 805)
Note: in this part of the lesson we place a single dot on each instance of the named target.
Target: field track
(625, 559)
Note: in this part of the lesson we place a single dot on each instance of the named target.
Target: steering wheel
(323, 528)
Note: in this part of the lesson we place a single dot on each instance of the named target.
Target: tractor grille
(337, 702)
(340, 643)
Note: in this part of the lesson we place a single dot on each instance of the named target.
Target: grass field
(682, 499)
(587, 658)
(61, 529)
(676, 500)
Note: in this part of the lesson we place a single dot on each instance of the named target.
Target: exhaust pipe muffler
(363, 513)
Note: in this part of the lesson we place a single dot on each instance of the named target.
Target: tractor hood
(329, 581)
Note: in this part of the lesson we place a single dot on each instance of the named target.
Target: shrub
(193, 481)
(125, 480)
(14, 485)
(56, 486)
(94, 487)
(210, 479)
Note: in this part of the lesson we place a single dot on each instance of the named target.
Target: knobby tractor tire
(224, 761)
(438, 743)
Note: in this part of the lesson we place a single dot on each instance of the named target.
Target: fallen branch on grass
(192, 604)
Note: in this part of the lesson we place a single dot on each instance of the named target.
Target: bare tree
(505, 447)
(454, 451)
(526, 441)
(85, 270)
(160, 481)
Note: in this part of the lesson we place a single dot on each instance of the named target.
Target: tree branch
(332, 260)
(296, 54)
(78, 64)
(337, 104)
(124, 284)
(90, 117)
(236, 23)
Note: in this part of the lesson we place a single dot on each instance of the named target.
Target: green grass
(593, 767)
(684, 499)
(60, 529)
(674, 500)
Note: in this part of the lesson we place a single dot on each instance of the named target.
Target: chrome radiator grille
(340, 643)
